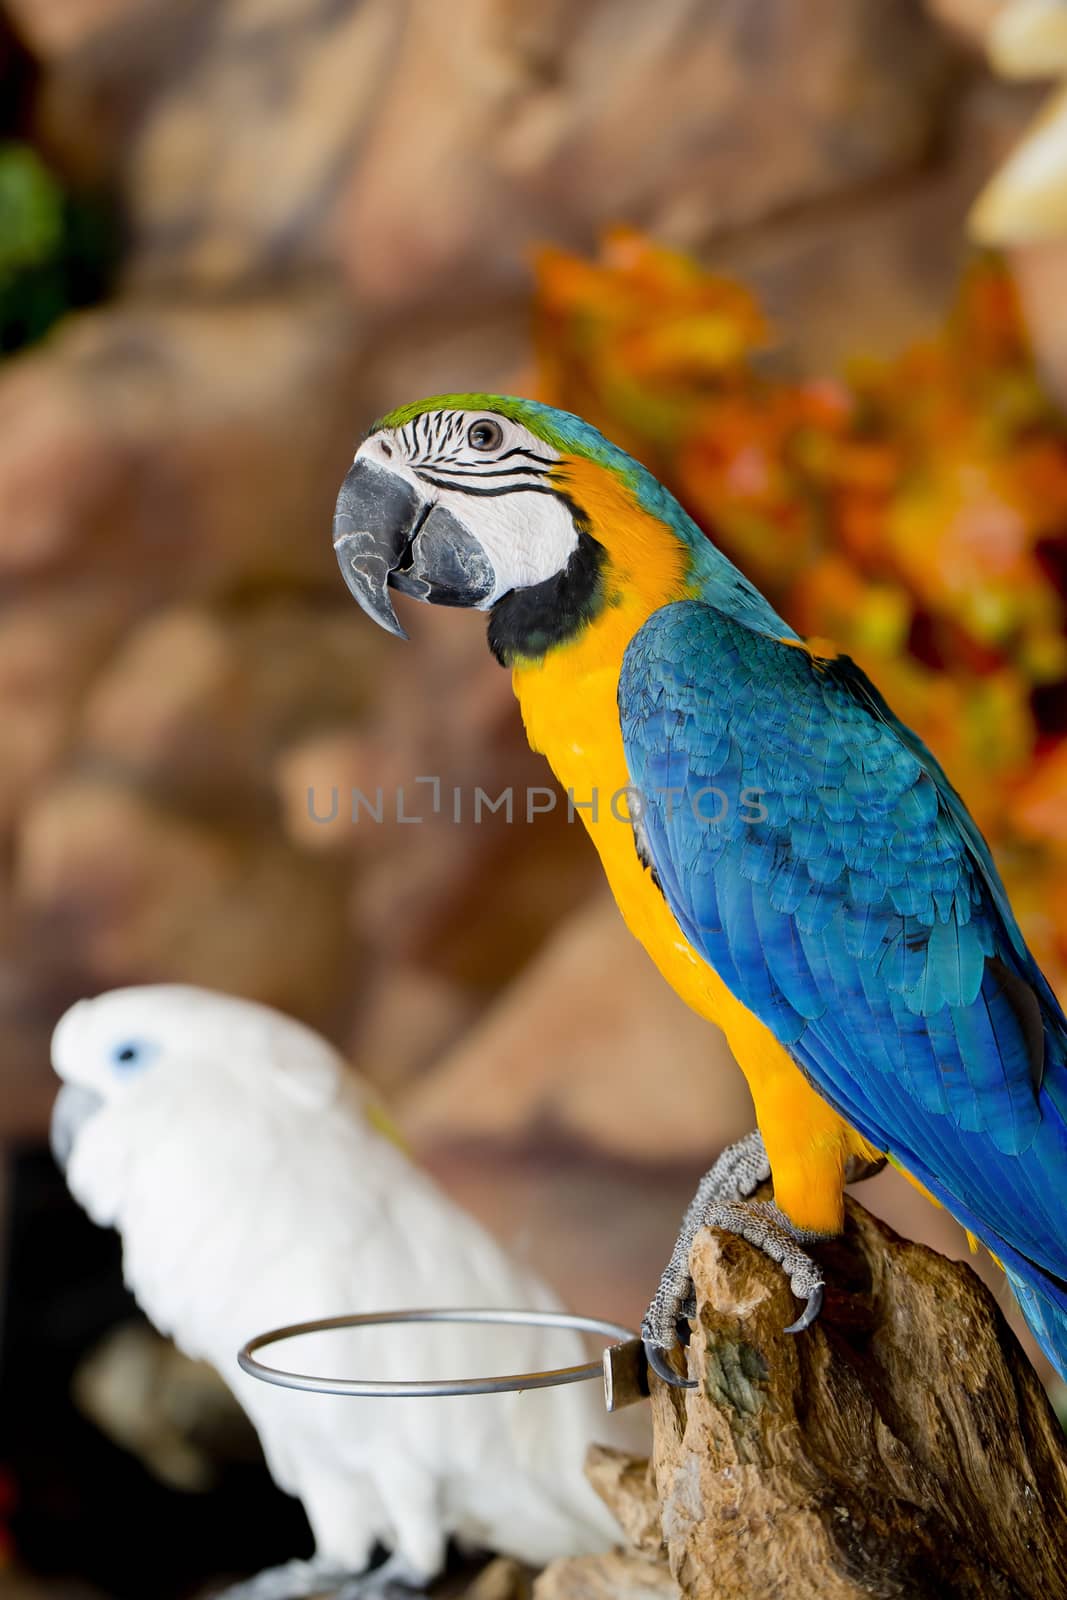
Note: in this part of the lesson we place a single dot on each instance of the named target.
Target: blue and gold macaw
(792, 857)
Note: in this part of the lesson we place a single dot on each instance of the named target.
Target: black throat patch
(527, 623)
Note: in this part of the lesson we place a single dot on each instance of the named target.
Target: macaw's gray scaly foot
(723, 1201)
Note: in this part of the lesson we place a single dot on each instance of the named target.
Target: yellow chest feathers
(570, 709)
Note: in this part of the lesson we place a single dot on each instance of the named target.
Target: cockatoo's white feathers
(233, 1150)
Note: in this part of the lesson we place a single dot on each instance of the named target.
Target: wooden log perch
(903, 1447)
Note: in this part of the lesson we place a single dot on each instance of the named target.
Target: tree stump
(903, 1447)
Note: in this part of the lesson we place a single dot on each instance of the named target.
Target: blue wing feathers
(862, 919)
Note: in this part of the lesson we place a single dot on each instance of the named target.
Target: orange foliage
(915, 512)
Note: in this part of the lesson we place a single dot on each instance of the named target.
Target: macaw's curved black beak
(374, 523)
(386, 535)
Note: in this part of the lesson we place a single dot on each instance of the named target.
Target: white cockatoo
(254, 1184)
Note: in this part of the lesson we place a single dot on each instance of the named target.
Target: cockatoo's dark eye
(485, 434)
(131, 1054)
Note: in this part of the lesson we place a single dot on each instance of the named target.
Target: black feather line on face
(448, 467)
(410, 439)
(521, 450)
(476, 490)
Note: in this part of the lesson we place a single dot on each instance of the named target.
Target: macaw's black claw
(810, 1311)
(657, 1360)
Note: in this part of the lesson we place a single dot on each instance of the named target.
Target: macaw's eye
(485, 435)
(131, 1054)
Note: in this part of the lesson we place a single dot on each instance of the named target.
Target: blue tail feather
(1045, 1310)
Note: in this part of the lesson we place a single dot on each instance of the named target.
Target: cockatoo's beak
(388, 535)
(75, 1104)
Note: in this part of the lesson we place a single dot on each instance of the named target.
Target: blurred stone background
(327, 207)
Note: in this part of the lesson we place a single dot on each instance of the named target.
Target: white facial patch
(502, 494)
(527, 536)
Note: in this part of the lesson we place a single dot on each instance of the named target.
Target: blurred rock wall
(329, 206)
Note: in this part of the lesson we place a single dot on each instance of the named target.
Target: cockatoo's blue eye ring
(132, 1054)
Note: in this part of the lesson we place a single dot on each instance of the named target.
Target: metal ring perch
(426, 1388)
